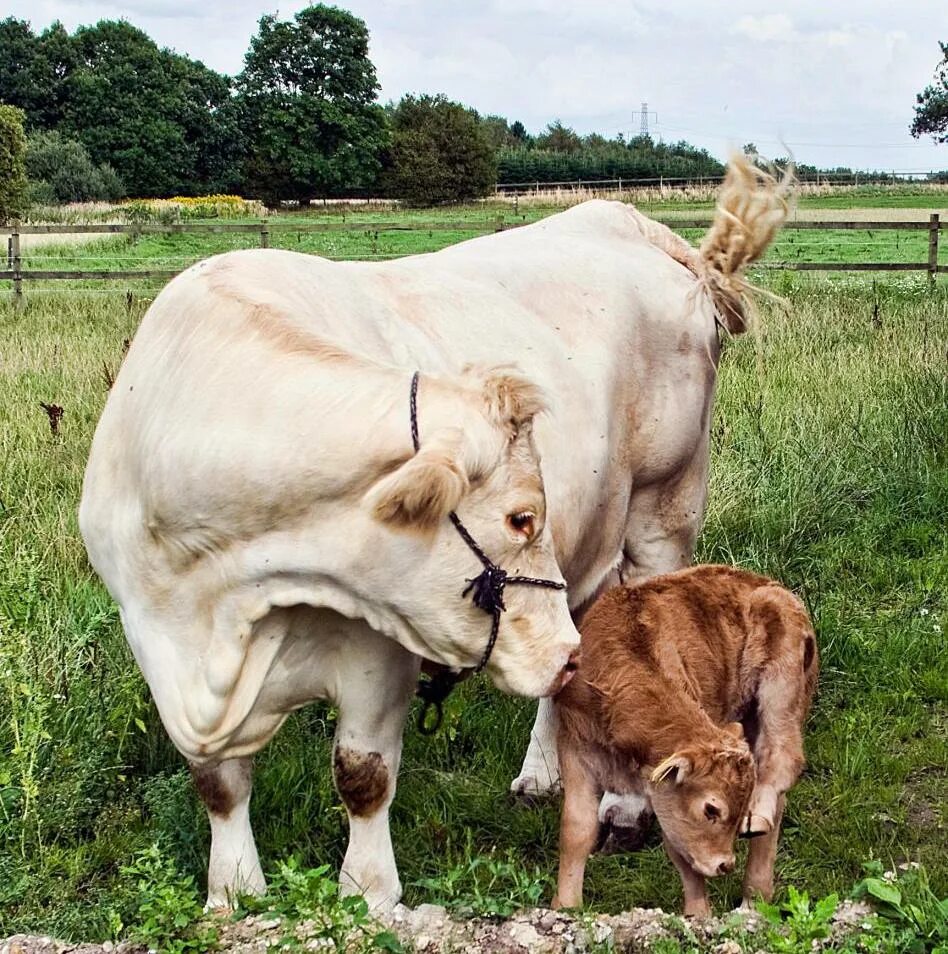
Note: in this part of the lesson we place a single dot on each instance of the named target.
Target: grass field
(830, 471)
(177, 251)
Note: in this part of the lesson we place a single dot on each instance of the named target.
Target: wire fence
(847, 178)
(364, 241)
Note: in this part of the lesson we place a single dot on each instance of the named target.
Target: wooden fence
(17, 274)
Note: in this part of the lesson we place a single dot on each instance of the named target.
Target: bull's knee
(362, 780)
(222, 787)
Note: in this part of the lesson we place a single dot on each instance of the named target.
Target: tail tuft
(752, 205)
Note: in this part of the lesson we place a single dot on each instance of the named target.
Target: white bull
(254, 505)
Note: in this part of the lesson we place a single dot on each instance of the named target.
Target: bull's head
(483, 465)
(700, 796)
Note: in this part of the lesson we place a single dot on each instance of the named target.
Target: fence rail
(17, 274)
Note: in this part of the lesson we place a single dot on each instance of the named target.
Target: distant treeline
(107, 112)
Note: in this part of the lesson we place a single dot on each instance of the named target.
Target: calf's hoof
(754, 826)
(697, 910)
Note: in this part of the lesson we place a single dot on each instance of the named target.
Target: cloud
(841, 76)
(766, 29)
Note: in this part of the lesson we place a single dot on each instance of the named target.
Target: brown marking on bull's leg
(361, 779)
(759, 875)
(219, 794)
(692, 884)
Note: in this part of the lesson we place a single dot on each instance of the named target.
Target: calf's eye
(711, 811)
(521, 522)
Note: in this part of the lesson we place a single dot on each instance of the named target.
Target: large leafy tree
(441, 152)
(164, 122)
(308, 93)
(931, 112)
(34, 70)
(12, 168)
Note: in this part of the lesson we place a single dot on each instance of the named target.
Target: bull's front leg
(234, 867)
(375, 682)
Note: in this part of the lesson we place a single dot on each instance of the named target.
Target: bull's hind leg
(374, 686)
(234, 867)
(540, 773)
(782, 638)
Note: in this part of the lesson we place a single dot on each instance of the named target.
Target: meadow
(829, 471)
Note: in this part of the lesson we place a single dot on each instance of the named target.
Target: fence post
(933, 226)
(264, 234)
(16, 263)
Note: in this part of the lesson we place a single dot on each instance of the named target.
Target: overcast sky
(833, 79)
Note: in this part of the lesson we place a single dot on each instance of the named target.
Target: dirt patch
(429, 928)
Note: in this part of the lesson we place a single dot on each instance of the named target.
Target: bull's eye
(522, 522)
(711, 811)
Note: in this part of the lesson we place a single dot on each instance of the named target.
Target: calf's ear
(425, 489)
(675, 768)
(736, 730)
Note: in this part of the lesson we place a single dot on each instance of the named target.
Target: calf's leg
(759, 874)
(579, 828)
(784, 689)
(374, 685)
(693, 885)
(234, 867)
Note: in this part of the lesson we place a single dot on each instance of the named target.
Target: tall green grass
(830, 471)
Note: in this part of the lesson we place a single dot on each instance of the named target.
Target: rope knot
(488, 589)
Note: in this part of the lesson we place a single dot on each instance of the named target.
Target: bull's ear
(425, 489)
(675, 768)
(512, 400)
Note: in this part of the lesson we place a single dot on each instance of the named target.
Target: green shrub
(12, 170)
(64, 166)
(169, 909)
(309, 897)
(441, 152)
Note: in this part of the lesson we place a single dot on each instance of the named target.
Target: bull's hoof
(531, 787)
(754, 826)
(625, 822)
(616, 840)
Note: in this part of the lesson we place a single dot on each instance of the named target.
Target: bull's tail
(752, 205)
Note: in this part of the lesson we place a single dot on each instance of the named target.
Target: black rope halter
(487, 593)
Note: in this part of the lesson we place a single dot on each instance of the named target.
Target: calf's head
(700, 795)
(479, 460)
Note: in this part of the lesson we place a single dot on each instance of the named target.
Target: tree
(12, 171)
(519, 133)
(440, 152)
(165, 122)
(308, 93)
(931, 111)
(34, 69)
(559, 138)
(60, 170)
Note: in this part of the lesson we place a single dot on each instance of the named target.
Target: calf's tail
(752, 205)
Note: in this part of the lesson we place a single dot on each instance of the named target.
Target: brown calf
(692, 691)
